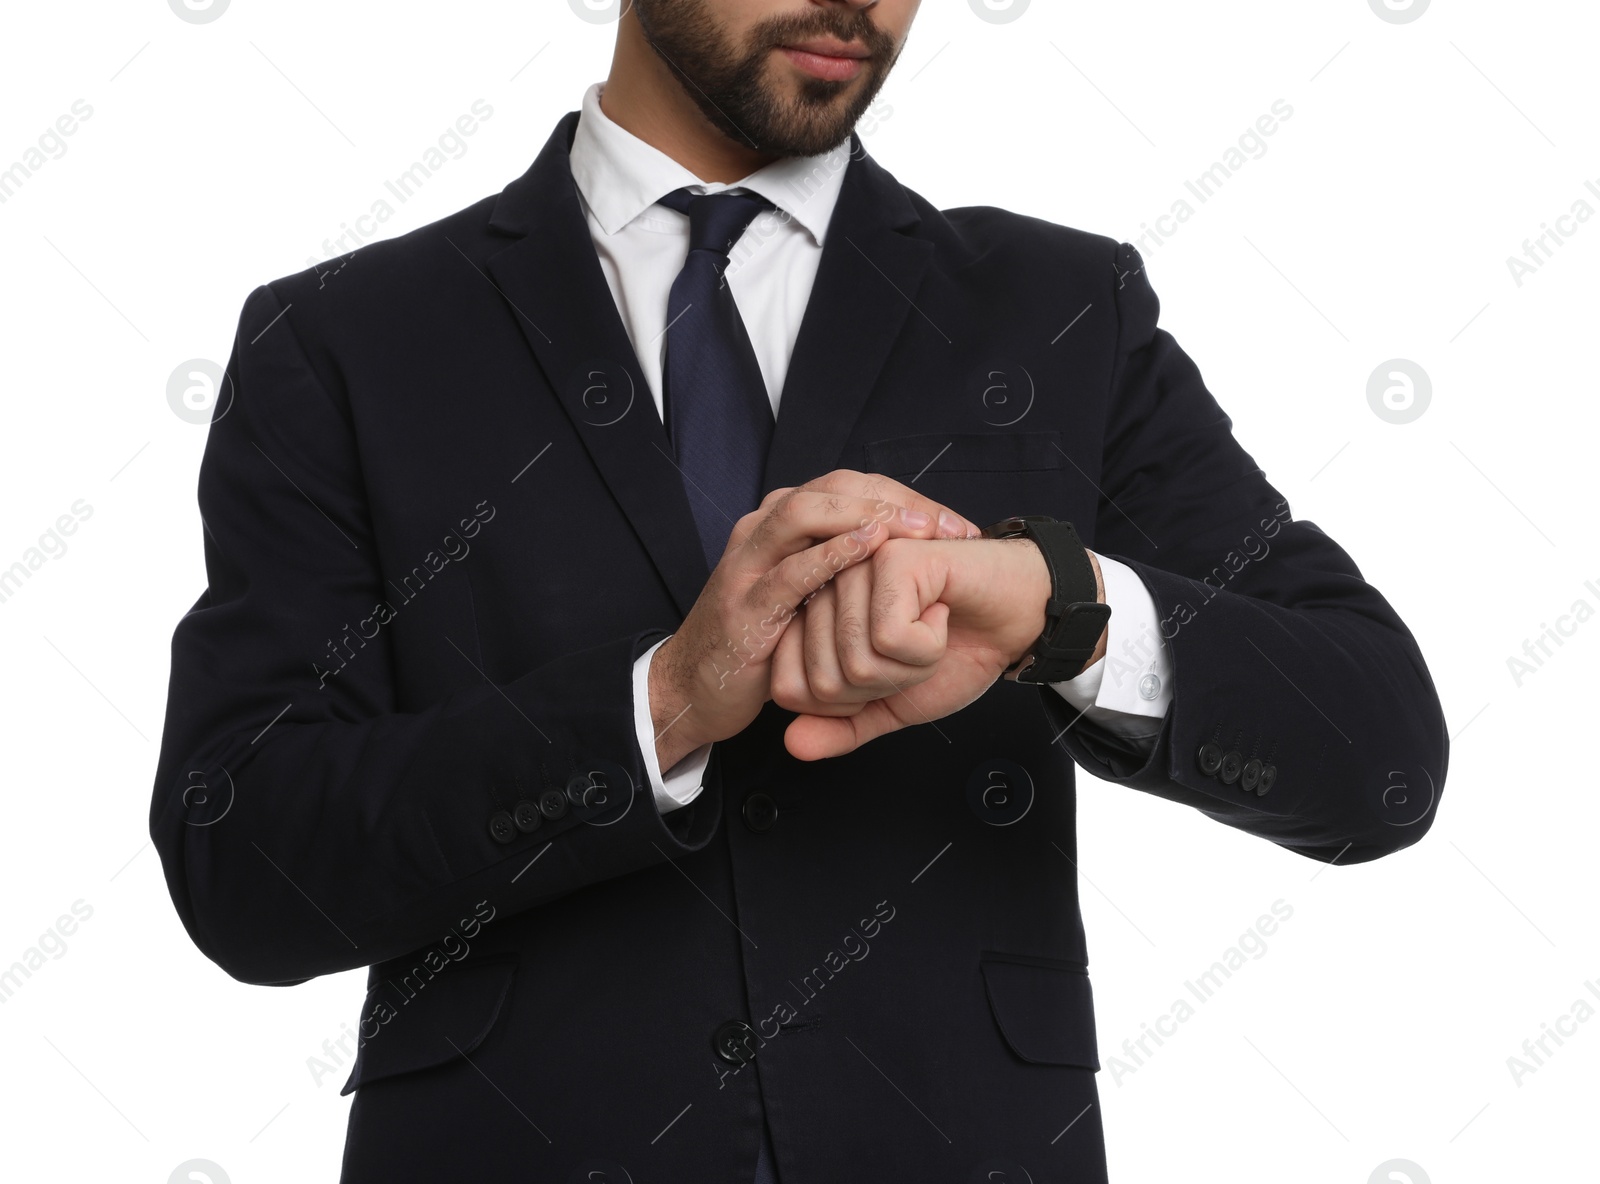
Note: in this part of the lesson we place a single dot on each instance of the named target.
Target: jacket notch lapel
(866, 287)
(559, 298)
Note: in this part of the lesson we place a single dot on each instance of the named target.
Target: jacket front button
(1251, 775)
(1210, 758)
(1232, 765)
(502, 829)
(527, 816)
(760, 812)
(735, 1042)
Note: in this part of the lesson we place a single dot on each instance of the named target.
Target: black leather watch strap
(1074, 617)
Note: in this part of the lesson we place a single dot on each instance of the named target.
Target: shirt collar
(620, 176)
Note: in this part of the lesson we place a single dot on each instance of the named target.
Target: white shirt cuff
(1129, 690)
(683, 783)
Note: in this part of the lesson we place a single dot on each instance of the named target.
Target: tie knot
(716, 220)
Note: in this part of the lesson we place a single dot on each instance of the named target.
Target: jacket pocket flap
(416, 1022)
(1045, 1010)
(965, 452)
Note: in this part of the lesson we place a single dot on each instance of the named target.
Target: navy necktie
(719, 417)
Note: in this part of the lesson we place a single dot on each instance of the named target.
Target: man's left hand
(913, 635)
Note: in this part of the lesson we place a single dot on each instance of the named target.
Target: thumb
(816, 737)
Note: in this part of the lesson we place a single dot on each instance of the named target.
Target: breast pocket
(965, 452)
(986, 476)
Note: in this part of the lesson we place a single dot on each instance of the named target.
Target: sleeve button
(527, 816)
(1232, 766)
(502, 829)
(1251, 776)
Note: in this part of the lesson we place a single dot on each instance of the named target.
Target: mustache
(822, 22)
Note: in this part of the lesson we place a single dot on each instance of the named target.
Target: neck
(646, 97)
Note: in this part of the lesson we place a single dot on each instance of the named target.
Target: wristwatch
(1074, 618)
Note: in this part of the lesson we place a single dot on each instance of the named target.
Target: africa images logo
(999, 12)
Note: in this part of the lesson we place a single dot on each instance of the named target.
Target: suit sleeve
(304, 824)
(1282, 654)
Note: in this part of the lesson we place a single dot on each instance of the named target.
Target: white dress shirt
(642, 246)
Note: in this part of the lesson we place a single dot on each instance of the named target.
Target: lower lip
(822, 66)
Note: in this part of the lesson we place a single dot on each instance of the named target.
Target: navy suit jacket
(441, 522)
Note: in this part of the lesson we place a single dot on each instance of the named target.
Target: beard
(729, 82)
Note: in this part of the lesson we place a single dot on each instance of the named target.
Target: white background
(1376, 226)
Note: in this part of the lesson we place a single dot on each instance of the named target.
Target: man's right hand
(711, 677)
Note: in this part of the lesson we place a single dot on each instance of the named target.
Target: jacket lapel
(866, 283)
(551, 277)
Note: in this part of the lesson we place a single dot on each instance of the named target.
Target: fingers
(790, 521)
(909, 622)
(824, 680)
(863, 670)
(791, 578)
(792, 677)
(875, 486)
(844, 640)
(787, 681)
(830, 661)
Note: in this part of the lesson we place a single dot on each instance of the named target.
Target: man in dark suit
(658, 759)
